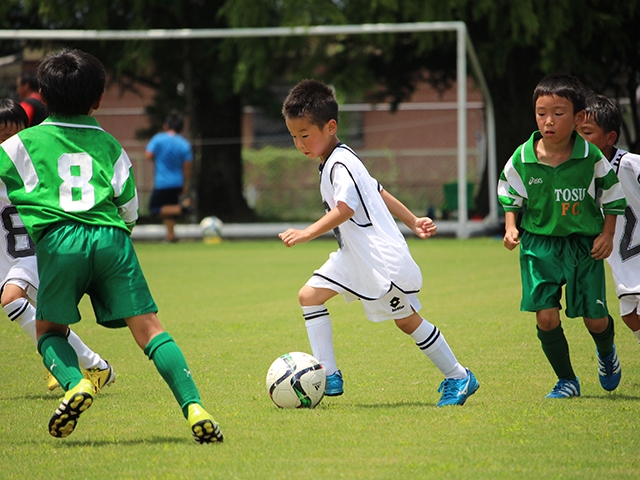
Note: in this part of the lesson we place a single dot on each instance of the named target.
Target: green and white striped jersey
(68, 169)
(559, 201)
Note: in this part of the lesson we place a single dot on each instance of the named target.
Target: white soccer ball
(296, 380)
(211, 227)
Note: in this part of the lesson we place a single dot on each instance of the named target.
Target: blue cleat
(565, 389)
(609, 370)
(456, 391)
(335, 384)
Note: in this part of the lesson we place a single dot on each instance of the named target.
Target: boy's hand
(602, 246)
(424, 227)
(510, 239)
(292, 237)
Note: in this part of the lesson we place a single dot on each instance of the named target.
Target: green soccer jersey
(68, 169)
(559, 201)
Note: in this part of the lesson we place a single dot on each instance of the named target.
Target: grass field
(233, 309)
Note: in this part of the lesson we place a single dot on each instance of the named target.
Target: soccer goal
(465, 181)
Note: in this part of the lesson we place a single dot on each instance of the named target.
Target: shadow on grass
(611, 396)
(70, 443)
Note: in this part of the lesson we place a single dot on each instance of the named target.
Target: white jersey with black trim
(625, 258)
(373, 253)
(17, 250)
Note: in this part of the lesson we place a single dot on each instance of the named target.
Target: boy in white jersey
(74, 189)
(373, 263)
(562, 185)
(602, 128)
(19, 269)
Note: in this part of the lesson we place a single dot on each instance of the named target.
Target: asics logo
(535, 181)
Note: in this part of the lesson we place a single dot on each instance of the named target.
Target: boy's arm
(603, 244)
(423, 227)
(328, 222)
(510, 239)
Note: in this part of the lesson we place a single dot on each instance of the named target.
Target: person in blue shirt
(172, 157)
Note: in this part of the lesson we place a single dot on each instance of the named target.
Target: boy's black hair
(12, 113)
(174, 122)
(566, 86)
(312, 100)
(71, 82)
(31, 79)
(605, 113)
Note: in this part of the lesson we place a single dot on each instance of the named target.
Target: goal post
(462, 227)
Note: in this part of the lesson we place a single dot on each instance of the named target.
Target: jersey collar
(72, 121)
(580, 147)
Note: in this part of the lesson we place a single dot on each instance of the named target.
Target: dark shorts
(547, 263)
(164, 196)
(74, 259)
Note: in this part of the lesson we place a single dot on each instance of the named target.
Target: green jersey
(68, 169)
(562, 200)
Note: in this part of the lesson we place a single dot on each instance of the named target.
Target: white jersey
(373, 254)
(17, 251)
(625, 258)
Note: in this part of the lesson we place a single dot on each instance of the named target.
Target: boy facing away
(560, 183)
(19, 270)
(602, 128)
(373, 263)
(73, 186)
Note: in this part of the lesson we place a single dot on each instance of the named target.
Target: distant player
(373, 263)
(73, 186)
(602, 128)
(562, 185)
(19, 270)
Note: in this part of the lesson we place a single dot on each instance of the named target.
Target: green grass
(233, 309)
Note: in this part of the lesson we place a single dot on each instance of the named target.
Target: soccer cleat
(335, 384)
(565, 389)
(203, 427)
(76, 401)
(609, 370)
(100, 377)
(52, 382)
(456, 391)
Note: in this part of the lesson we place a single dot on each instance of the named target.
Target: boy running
(562, 184)
(19, 269)
(73, 186)
(602, 128)
(373, 263)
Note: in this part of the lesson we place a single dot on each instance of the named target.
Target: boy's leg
(172, 366)
(632, 320)
(602, 331)
(459, 383)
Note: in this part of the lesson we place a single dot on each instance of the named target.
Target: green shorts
(547, 263)
(74, 259)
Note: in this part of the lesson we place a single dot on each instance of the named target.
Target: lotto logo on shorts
(395, 304)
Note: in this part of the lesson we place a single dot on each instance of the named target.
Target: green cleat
(203, 427)
(76, 401)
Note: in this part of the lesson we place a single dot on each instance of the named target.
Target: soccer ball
(296, 380)
(211, 228)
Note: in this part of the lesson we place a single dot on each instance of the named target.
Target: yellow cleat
(52, 382)
(203, 427)
(76, 401)
(100, 377)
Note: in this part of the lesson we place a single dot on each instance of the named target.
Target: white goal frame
(462, 227)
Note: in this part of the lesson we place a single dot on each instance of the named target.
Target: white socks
(320, 335)
(24, 314)
(637, 334)
(429, 339)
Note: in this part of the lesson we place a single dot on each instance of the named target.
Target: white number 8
(76, 193)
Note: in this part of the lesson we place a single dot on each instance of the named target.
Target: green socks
(604, 340)
(172, 366)
(60, 359)
(556, 348)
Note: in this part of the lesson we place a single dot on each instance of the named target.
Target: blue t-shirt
(170, 151)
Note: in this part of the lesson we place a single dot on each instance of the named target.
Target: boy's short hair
(604, 112)
(12, 113)
(312, 100)
(174, 122)
(71, 82)
(29, 78)
(561, 85)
